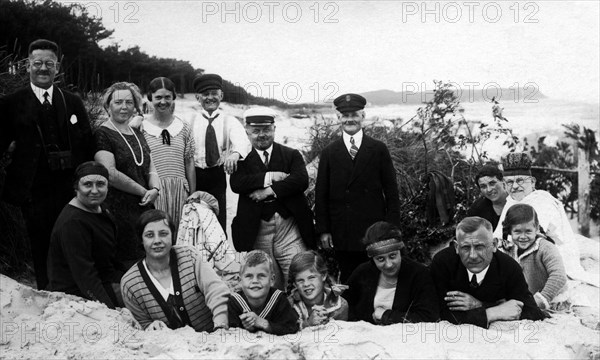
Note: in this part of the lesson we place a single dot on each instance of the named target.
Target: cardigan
(276, 310)
(414, 299)
(543, 269)
(201, 296)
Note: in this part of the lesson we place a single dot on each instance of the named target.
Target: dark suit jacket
(351, 196)
(18, 122)
(504, 280)
(414, 300)
(250, 176)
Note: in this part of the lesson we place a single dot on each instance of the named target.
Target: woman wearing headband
(81, 258)
(133, 178)
(389, 289)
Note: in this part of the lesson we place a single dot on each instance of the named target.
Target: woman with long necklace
(133, 178)
(172, 145)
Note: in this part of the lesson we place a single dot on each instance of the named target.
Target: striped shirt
(204, 294)
(169, 160)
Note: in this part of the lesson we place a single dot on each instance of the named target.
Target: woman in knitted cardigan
(172, 286)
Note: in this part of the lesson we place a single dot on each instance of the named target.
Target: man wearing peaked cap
(356, 187)
(220, 141)
(349, 103)
(273, 213)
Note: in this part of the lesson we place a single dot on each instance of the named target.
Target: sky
(300, 51)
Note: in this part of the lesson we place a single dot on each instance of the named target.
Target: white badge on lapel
(73, 119)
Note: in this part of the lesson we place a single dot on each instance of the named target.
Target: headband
(86, 169)
(384, 246)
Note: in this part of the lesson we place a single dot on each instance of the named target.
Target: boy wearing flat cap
(356, 187)
(220, 141)
(273, 214)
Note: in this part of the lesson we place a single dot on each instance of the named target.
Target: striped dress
(203, 295)
(169, 161)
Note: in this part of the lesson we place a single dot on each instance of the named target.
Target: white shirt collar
(215, 113)
(39, 92)
(479, 276)
(357, 139)
(173, 129)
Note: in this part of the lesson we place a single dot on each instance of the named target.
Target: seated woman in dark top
(389, 289)
(490, 181)
(81, 258)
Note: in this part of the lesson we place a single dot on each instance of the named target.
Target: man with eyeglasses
(220, 142)
(51, 136)
(273, 213)
(491, 184)
(553, 220)
(476, 284)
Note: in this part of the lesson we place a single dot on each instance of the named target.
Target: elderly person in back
(550, 211)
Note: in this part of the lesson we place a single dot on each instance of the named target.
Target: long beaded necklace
(129, 146)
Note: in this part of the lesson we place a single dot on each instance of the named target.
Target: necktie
(473, 282)
(166, 137)
(353, 148)
(46, 101)
(266, 154)
(210, 143)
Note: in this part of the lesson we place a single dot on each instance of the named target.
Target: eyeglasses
(49, 64)
(519, 181)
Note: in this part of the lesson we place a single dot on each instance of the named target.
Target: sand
(44, 325)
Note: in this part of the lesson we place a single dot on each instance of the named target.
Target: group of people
(115, 240)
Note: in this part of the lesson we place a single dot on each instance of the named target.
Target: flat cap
(349, 103)
(208, 82)
(259, 115)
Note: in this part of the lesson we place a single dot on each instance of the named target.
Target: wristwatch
(157, 189)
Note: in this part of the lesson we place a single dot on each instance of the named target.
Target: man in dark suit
(356, 187)
(273, 213)
(478, 285)
(51, 134)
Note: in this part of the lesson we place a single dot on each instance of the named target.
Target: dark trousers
(40, 216)
(348, 261)
(213, 181)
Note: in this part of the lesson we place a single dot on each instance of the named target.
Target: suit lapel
(254, 157)
(276, 160)
(340, 153)
(61, 111)
(363, 157)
